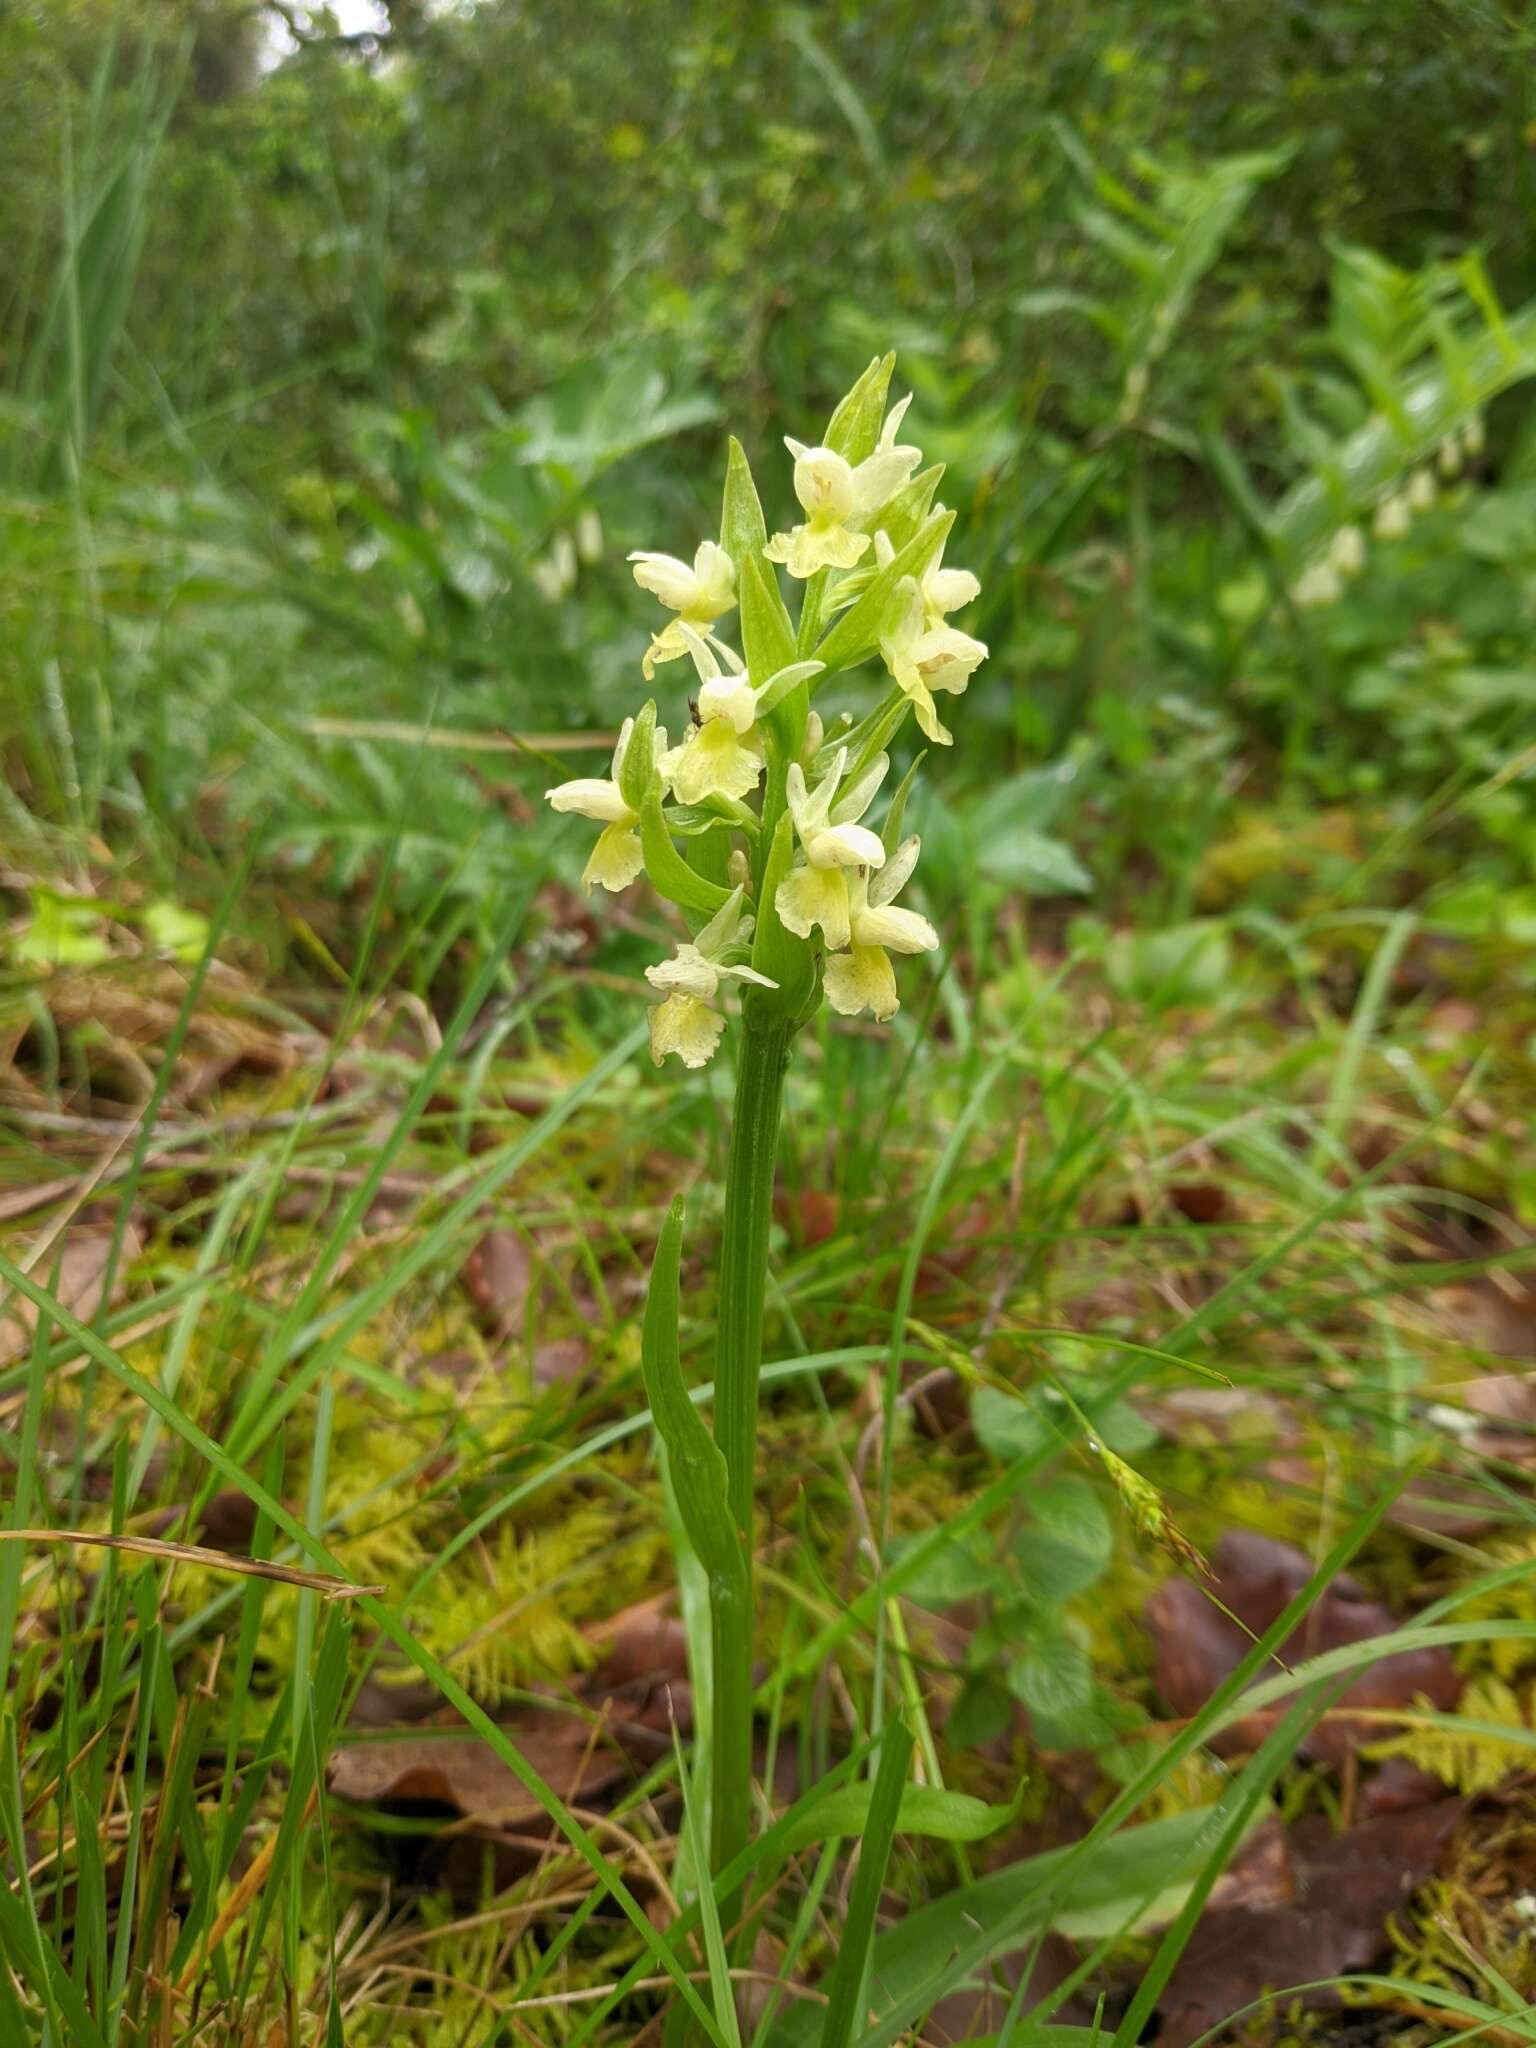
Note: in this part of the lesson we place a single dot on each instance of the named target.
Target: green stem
(764, 1058)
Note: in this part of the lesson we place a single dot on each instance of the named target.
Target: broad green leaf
(1027, 859)
(176, 930)
(1069, 1542)
(928, 1810)
(65, 931)
(1053, 1678)
(958, 1572)
(938, 1946)
(1187, 963)
(980, 1715)
(1501, 525)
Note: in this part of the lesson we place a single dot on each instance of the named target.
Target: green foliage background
(316, 365)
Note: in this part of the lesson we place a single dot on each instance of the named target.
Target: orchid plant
(755, 825)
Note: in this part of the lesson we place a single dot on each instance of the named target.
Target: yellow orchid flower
(923, 658)
(838, 497)
(684, 1023)
(699, 595)
(833, 842)
(721, 755)
(863, 978)
(616, 859)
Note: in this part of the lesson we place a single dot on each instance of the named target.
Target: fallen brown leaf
(462, 1773)
(560, 1361)
(75, 1274)
(1345, 1887)
(1198, 1645)
(499, 1274)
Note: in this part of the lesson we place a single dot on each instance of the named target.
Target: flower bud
(589, 535)
(1320, 585)
(1393, 518)
(1347, 554)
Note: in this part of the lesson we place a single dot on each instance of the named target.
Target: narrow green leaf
(854, 428)
(856, 631)
(698, 1464)
(767, 637)
(871, 736)
(1372, 459)
(902, 516)
(709, 1912)
(637, 769)
(874, 1853)
(896, 810)
(743, 531)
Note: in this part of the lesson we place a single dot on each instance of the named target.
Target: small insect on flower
(616, 859)
(684, 1023)
(863, 977)
(722, 754)
(832, 840)
(838, 497)
(699, 595)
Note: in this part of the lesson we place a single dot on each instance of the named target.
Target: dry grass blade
(323, 1583)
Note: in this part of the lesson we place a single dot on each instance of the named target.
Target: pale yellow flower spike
(699, 595)
(837, 498)
(617, 858)
(862, 978)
